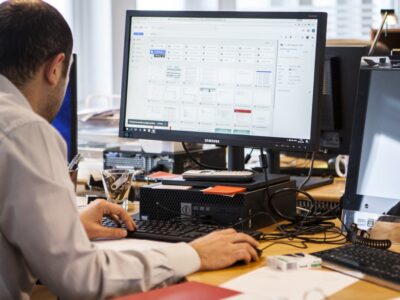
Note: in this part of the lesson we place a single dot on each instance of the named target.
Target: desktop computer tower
(243, 210)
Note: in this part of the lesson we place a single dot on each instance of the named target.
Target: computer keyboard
(372, 264)
(172, 230)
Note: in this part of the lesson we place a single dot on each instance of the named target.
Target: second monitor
(341, 72)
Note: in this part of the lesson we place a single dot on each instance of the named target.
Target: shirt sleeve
(40, 219)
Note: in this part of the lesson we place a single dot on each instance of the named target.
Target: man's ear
(53, 69)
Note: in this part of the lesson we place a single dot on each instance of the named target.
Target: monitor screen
(233, 78)
(372, 188)
(66, 120)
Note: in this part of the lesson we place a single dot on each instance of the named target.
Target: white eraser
(294, 261)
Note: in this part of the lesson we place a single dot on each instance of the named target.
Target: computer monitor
(337, 103)
(342, 64)
(67, 118)
(372, 188)
(230, 78)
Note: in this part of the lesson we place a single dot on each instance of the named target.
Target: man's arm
(42, 222)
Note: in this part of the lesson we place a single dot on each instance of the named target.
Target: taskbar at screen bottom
(281, 144)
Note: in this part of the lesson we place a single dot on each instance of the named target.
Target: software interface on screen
(222, 75)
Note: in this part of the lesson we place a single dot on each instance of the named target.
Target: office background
(98, 28)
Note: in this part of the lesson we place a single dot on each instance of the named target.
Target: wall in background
(98, 28)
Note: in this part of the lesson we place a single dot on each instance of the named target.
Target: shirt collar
(6, 86)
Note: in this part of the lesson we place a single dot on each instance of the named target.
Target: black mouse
(243, 262)
(259, 251)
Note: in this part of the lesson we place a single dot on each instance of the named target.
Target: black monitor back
(337, 105)
(342, 64)
(67, 118)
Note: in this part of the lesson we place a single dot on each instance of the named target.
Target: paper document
(293, 285)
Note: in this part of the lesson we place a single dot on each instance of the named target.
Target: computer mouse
(243, 262)
(259, 251)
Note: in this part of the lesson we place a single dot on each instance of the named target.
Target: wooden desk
(359, 290)
(332, 192)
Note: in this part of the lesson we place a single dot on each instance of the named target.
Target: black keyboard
(374, 265)
(172, 230)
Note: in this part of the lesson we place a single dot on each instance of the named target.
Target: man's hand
(91, 218)
(221, 249)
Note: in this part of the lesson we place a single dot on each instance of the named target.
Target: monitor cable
(311, 218)
(362, 237)
(309, 171)
(248, 156)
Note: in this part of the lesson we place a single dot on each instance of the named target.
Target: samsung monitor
(372, 188)
(67, 118)
(230, 78)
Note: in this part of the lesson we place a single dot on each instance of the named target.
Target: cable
(264, 165)
(203, 219)
(362, 237)
(303, 234)
(299, 225)
(248, 156)
(303, 245)
(309, 171)
(192, 158)
(311, 217)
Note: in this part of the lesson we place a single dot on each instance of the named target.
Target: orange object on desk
(183, 291)
(224, 190)
(162, 175)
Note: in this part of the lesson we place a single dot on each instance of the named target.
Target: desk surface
(359, 290)
(331, 192)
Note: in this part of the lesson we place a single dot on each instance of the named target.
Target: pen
(73, 165)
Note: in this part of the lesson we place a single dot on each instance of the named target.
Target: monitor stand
(236, 162)
(235, 158)
(313, 182)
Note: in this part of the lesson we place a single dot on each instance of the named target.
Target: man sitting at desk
(42, 235)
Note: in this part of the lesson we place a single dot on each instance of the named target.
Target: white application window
(225, 75)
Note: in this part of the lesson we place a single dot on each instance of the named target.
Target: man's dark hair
(31, 32)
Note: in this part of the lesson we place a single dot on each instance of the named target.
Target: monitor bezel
(73, 82)
(351, 200)
(72, 107)
(345, 103)
(231, 139)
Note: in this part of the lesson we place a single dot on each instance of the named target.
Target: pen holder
(117, 184)
(73, 174)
